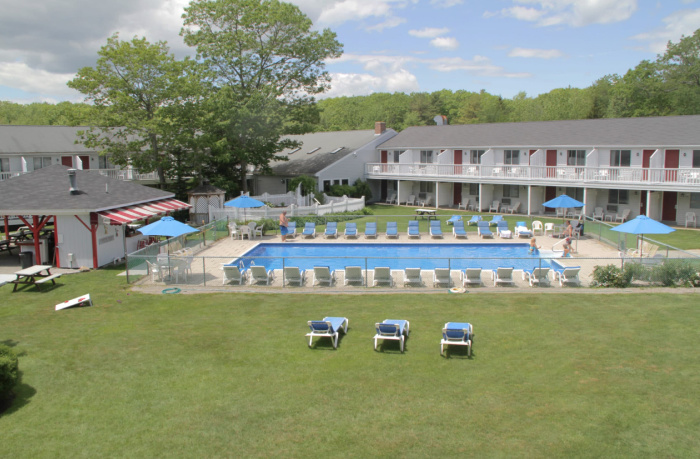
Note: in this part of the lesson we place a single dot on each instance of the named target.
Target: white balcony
(119, 174)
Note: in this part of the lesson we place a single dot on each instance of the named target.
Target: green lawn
(230, 375)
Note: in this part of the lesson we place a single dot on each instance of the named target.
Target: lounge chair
(331, 230)
(503, 231)
(391, 199)
(471, 276)
(521, 230)
(233, 274)
(623, 216)
(482, 227)
(309, 230)
(463, 205)
(412, 276)
(392, 329)
(371, 229)
(474, 220)
(503, 276)
(441, 276)
(435, 229)
(539, 276)
(496, 218)
(392, 229)
(495, 205)
(411, 201)
(291, 230)
(598, 214)
(382, 275)
(353, 274)
(323, 275)
(537, 228)
(260, 274)
(329, 327)
(453, 219)
(413, 230)
(515, 208)
(457, 334)
(351, 230)
(292, 275)
(567, 275)
(458, 229)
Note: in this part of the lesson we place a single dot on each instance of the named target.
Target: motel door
(671, 162)
(458, 162)
(550, 193)
(67, 161)
(86, 162)
(668, 211)
(646, 161)
(383, 158)
(643, 202)
(457, 197)
(552, 165)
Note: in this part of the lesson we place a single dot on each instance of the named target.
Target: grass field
(230, 375)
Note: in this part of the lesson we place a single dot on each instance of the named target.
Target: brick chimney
(379, 127)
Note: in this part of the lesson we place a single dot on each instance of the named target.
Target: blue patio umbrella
(167, 226)
(642, 225)
(244, 202)
(563, 201)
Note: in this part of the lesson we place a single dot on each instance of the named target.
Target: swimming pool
(395, 256)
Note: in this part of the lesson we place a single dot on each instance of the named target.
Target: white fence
(333, 205)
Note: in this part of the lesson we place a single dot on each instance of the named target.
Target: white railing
(568, 174)
(119, 174)
(334, 205)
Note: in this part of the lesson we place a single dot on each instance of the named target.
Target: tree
(680, 68)
(139, 89)
(264, 65)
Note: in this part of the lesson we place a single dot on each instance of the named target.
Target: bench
(51, 278)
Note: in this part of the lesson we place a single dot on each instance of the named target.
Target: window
(4, 164)
(576, 158)
(618, 197)
(474, 189)
(576, 193)
(511, 191)
(42, 161)
(426, 187)
(426, 156)
(476, 155)
(326, 186)
(397, 153)
(344, 182)
(103, 163)
(695, 200)
(696, 158)
(620, 158)
(511, 156)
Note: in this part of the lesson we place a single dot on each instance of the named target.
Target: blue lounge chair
(329, 327)
(503, 231)
(350, 229)
(458, 229)
(371, 229)
(392, 229)
(496, 219)
(309, 230)
(459, 334)
(474, 220)
(331, 230)
(482, 227)
(392, 329)
(521, 230)
(413, 230)
(453, 219)
(435, 228)
(291, 229)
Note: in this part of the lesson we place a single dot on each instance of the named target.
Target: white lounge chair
(371, 230)
(435, 229)
(413, 229)
(260, 274)
(329, 327)
(391, 199)
(441, 276)
(458, 334)
(411, 276)
(331, 230)
(323, 275)
(502, 230)
(503, 276)
(539, 276)
(622, 218)
(482, 228)
(513, 209)
(411, 201)
(471, 276)
(309, 230)
(353, 274)
(392, 230)
(233, 274)
(291, 230)
(495, 205)
(598, 214)
(458, 229)
(293, 275)
(463, 205)
(567, 275)
(382, 275)
(521, 230)
(351, 230)
(393, 330)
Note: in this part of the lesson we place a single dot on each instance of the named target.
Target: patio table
(429, 213)
(34, 275)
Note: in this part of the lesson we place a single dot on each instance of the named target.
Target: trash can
(26, 259)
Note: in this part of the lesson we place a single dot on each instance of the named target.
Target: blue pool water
(395, 256)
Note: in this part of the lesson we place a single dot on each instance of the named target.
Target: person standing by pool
(284, 221)
(569, 231)
(533, 246)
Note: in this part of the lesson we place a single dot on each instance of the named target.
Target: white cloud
(445, 43)
(446, 3)
(576, 13)
(535, 53)
(358, 84)
(679, 23)
(20, 76)
(388, 24)
(428, 32)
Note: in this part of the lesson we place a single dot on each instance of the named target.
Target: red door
(67, 161)
(457, 197)
(550, 193)
(383, 159)
(86, 162)
(668, 211)
(552, 164)
(671, 162)
(458, 160)
(646, 161)
(643, 202)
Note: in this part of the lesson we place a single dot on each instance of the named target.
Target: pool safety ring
(457, 290)
(171, 290)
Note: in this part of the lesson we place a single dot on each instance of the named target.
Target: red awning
(133, 213)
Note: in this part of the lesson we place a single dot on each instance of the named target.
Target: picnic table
(35, 275)
(426, 213)
(6, 245)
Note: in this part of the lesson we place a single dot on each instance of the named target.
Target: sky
(501, 46)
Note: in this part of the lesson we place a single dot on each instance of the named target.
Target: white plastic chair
(537, 228)
(549, 228)
(691, 218)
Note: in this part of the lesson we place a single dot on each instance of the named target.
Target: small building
(90, 213)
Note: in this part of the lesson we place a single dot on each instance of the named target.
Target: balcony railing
(119, 174)
(565, 174)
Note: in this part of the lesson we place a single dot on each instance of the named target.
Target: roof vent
(312, 151)
(73, 182)
(337, 150)
(294, 151)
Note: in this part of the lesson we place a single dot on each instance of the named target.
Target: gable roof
(46, 192)
(653, 131)
(319, 150)
(41, 139)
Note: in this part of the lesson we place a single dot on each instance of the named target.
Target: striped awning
(130, 214)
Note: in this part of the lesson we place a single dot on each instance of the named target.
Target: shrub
(308, 184)
(9, 373)
(674, 273)
(612, 276)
